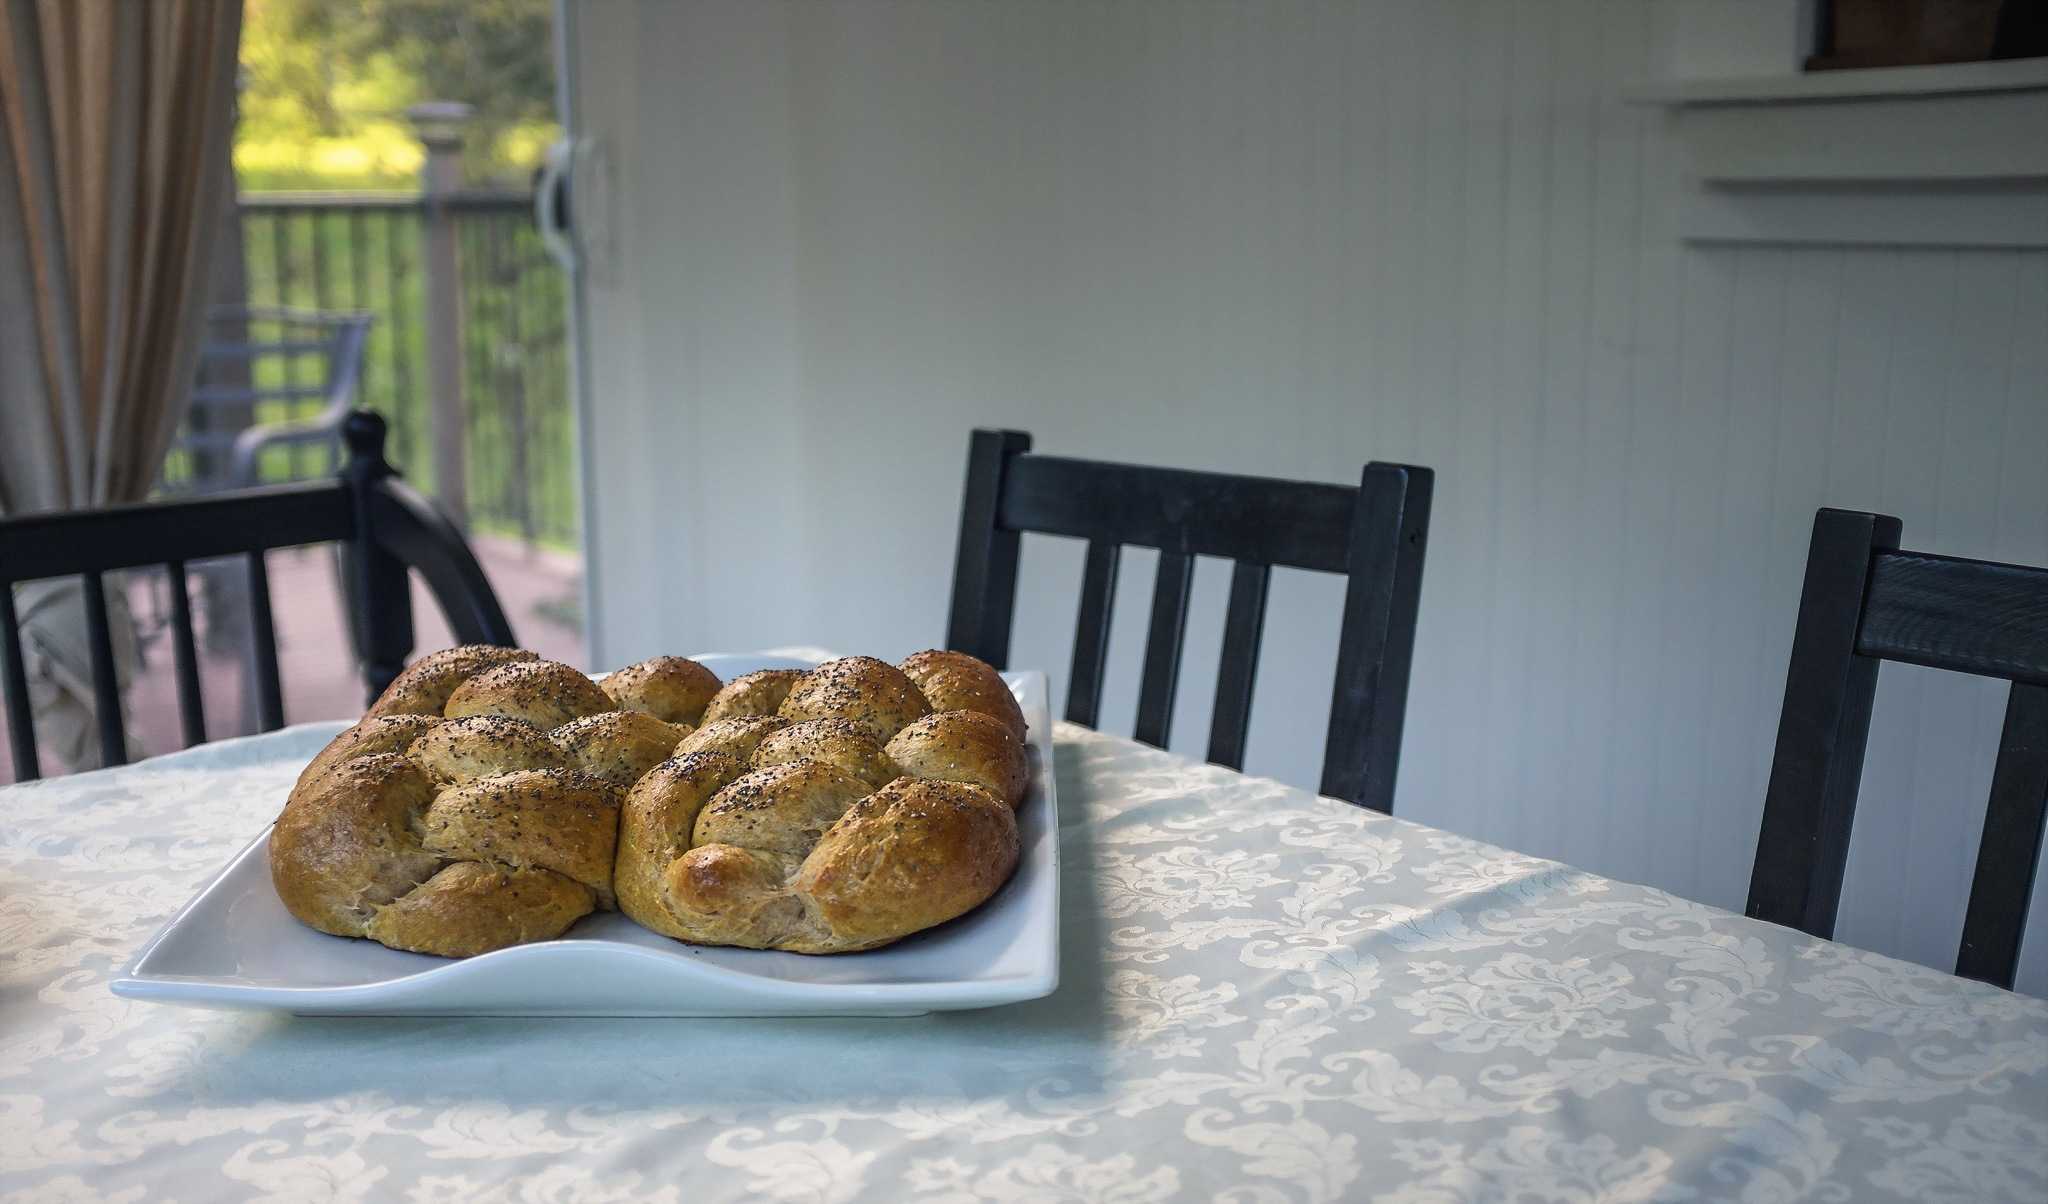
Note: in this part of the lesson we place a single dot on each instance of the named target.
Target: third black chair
(385, 527)
(1375, 534)
(1865, 602)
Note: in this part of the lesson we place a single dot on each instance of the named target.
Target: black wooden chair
(1375, 534)
(385, 528)
(1865, 602)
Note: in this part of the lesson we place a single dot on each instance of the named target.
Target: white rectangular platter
(235, 946)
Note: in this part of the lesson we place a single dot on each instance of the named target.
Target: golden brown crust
(955, 681)
(673, 689)
(363, 848)
(655, 825)
(837, 742)
(757, 693)
(471, 908)
(423, 688)
(722, 895)
(738, 736)
(463, 750)
(394, 733)
(617, 746)
(345, 846)
(913, 854)
(782, 810)
(550, 819)
(964, 746)
(544, 693)
(872, 693)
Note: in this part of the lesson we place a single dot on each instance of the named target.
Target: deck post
(439, 123)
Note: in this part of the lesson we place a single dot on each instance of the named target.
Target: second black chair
(385, 527)
(1375, 534)
(1865, 601)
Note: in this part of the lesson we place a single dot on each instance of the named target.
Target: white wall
(1286, 238)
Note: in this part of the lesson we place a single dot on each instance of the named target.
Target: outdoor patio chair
(386, 528)
(1864, 602)
(253, 367)
(1375, 534)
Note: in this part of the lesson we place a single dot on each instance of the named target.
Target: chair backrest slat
(1971, 616)
(2010, 851)
(1864, 602)
(1091, 632)
(1375, 534)
(1243, 624)
(1164, 639)
(185, 657)
(69, 542)
(106, 687)
(21, 730)
(263, 637)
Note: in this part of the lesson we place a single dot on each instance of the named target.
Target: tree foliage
(326, 84)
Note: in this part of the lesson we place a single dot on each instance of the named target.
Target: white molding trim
(1949, 156)
(1945, 79)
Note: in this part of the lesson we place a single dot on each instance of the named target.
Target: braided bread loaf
(491, 798)
(475, 806)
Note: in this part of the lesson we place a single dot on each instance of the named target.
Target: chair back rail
(1375, 534)
(1299, 524)
(1971, 616)
(1864, 602)
(386, 529)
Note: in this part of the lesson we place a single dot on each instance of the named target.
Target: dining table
(1264, 997)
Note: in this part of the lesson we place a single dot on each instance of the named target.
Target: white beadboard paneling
(1288, 238)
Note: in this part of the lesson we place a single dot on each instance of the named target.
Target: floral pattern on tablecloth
(1266, 998)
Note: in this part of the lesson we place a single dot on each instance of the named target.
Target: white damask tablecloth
(1266, 997)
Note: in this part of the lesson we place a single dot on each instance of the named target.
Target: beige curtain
(113, 169)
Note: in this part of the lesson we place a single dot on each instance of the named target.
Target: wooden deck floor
(540, 593)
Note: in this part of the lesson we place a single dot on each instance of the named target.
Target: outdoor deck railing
(369, 253)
